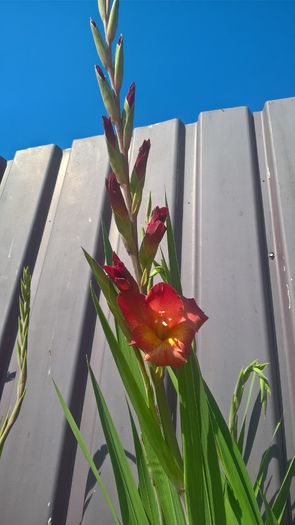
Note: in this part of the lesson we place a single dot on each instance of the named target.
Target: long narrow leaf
(169, 499)
(108, 252)
(233, 465)
(145, 486)
(84, 448)
(270, 517)
(132, 510)
(280, 502)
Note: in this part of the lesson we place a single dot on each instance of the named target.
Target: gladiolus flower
(162, 323)
(121, 276)
(154, 233)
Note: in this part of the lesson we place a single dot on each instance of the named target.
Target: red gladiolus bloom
(120, 275)
(162, 323)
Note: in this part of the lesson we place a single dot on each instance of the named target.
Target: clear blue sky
(185, 57)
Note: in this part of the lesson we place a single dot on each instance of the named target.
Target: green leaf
(147, 418)
(234, 466)
(132, 510)
(201, 467)
(270, 517)
(84, 448)
(108, 251)
(174, 268)
(280, 501)
(146, 488)
(168, 497)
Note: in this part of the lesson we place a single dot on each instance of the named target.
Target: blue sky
(185, 57)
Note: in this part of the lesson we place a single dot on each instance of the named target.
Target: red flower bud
(156, 228)
(131, 95)
(121, 276)
(109, 131)
(99, 72)
(142, 157)
(154, 233)
(117, 200)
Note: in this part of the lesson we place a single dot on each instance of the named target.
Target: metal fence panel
(229, 180)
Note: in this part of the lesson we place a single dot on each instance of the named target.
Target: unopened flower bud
(115, 156)
(128, 113)
(102, 9)
(138, 175)
(107, 95)
(113, 21)
(119, 64)
(154, 233)
(121, 276)
(99, 44)
(120, 211)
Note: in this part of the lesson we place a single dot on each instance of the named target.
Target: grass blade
(234, 466)
(84, 448)
(280, 502)
(108, 251)
(145, 486)
(132, 510)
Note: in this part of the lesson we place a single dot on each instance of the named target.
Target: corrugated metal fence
(230, 182)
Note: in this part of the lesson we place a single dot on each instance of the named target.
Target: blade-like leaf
(270, 517)
(84, 448)
(132, 510)
(108, 252)
(201, 468)
(168, 497)
(174, 268)
(279, 504)
(145, 486)
(234, 466)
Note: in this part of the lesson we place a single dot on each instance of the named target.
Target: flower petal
(166, 355)
(166, 304)
(193, 313)
(181, 337)
(134, 309)
(145, 338)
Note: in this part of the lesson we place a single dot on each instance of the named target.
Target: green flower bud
(127, 117)
(138, 176)
(102, 9)
(113, 21)
(99, 44)
(107, 95)
(119, 61)
(120, 212)
(115, 156)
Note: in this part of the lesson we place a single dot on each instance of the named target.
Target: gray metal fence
(230, 183)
